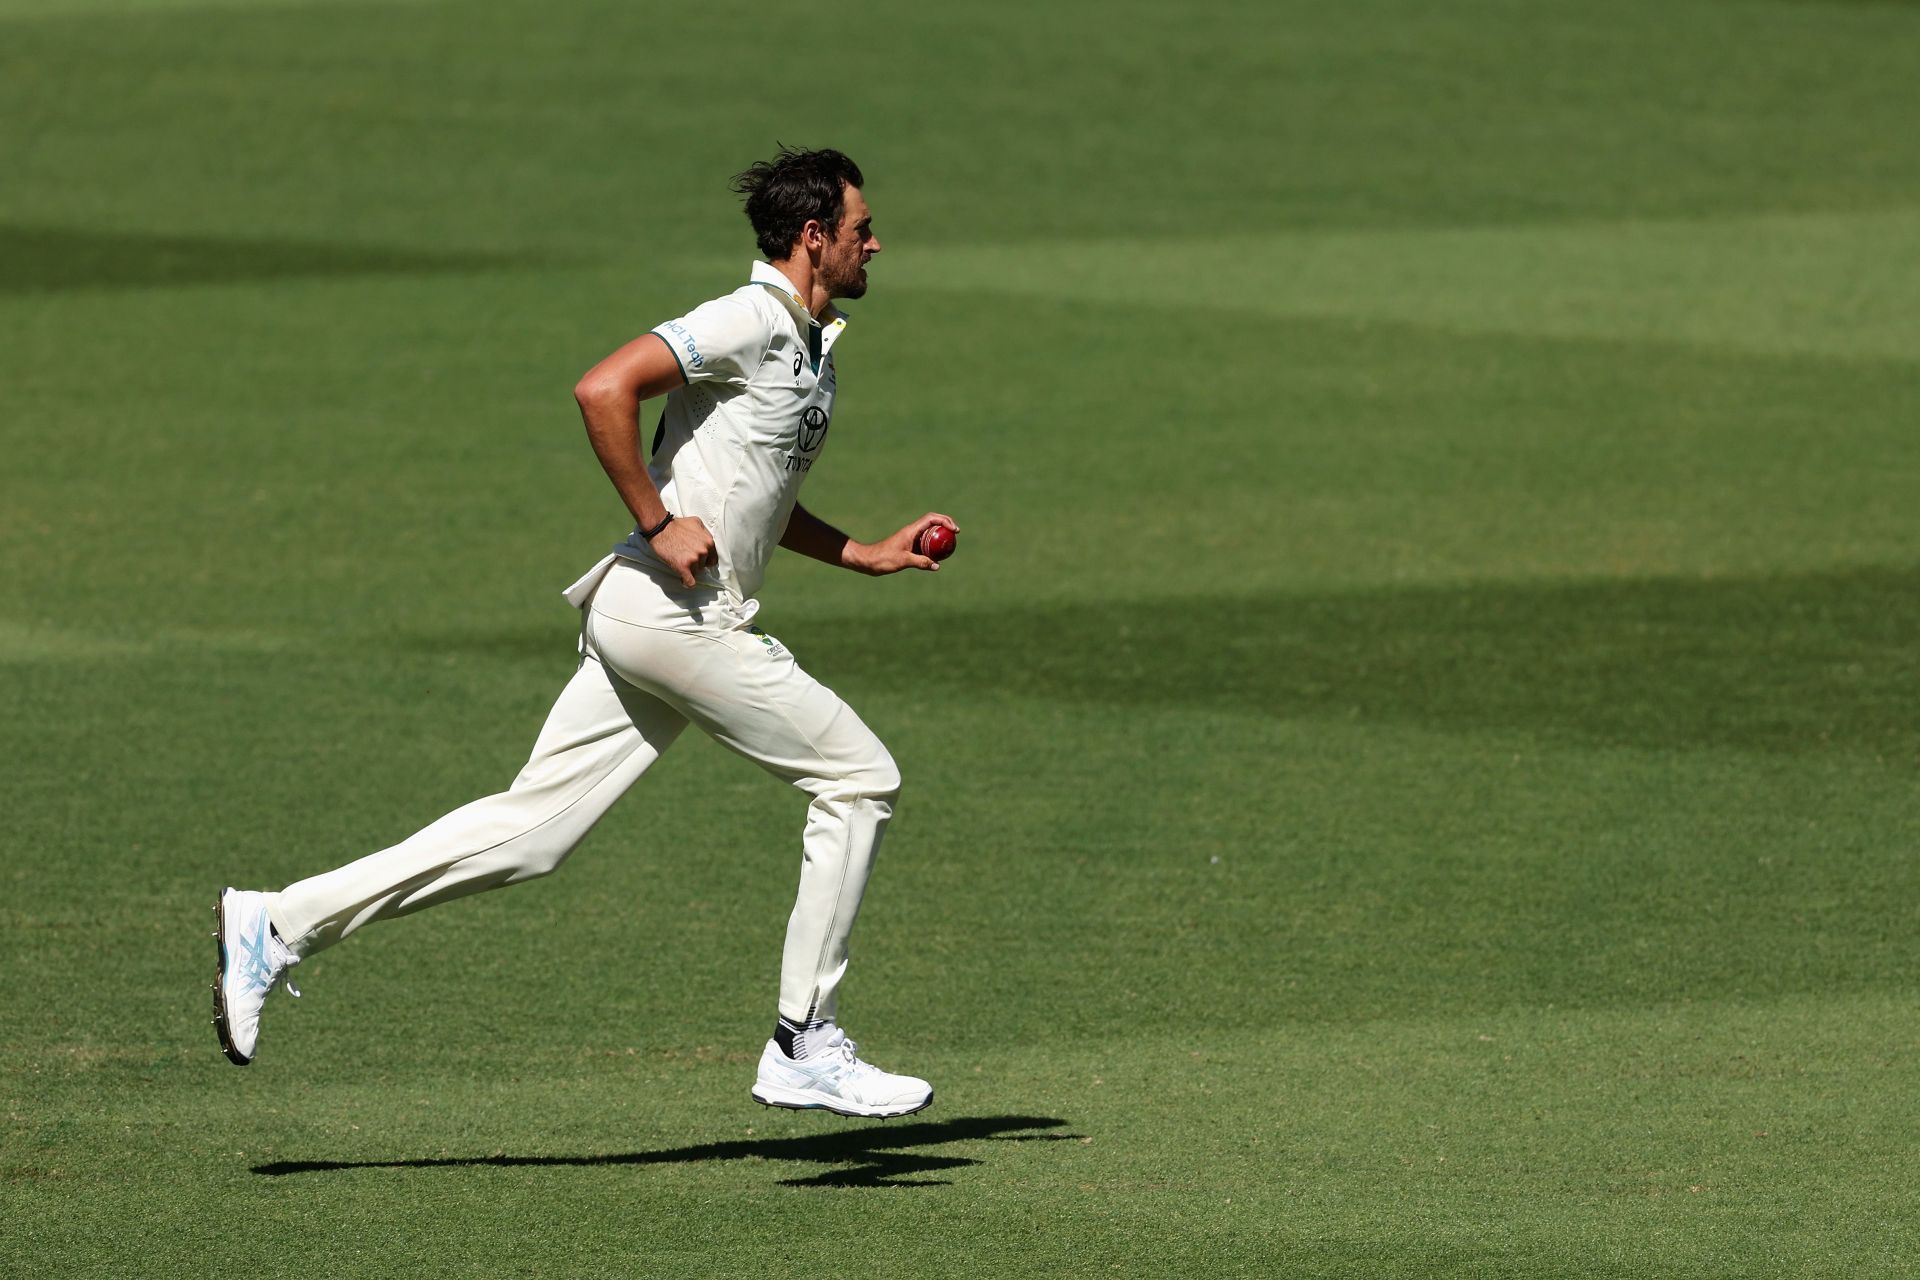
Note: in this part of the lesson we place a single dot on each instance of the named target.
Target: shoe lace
(284, 978)
(840, 1044)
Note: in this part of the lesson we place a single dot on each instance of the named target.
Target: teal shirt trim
(676, 357)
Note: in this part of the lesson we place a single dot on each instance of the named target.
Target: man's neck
(805, 281)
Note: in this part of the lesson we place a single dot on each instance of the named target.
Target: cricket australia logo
(813, 426)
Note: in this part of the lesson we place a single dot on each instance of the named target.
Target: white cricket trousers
(653, 660)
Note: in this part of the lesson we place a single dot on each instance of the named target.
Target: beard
(847, 280)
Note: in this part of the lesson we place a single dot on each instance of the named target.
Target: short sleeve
(718, 341)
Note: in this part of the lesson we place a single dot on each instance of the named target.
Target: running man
(667, 639)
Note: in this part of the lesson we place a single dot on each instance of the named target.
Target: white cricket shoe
(835, 1080)
(253, 961)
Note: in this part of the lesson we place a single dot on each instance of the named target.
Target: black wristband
(648, 535)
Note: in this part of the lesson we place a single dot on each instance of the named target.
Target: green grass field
(1411, 773)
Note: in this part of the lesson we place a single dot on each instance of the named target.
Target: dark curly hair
(784, 193)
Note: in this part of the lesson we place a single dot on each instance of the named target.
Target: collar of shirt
(836, 320)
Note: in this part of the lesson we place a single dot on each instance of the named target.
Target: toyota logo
(813, 425)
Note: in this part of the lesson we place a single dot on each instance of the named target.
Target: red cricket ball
(935, 542)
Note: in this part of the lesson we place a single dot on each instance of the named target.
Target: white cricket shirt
(735, 443)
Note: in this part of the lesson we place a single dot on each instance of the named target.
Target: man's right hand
(686, 546)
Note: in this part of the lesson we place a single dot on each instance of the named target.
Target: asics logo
(253, 965)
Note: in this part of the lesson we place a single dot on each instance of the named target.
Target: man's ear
(813, 235)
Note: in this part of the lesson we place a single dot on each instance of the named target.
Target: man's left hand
(894, 553)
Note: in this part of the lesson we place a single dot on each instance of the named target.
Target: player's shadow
(872, 1155)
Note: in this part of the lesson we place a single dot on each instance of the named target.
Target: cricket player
(667, 639)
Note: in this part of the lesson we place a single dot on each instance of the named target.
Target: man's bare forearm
(609, 396)
(613, 428)
(816, 539)
(811, 536)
